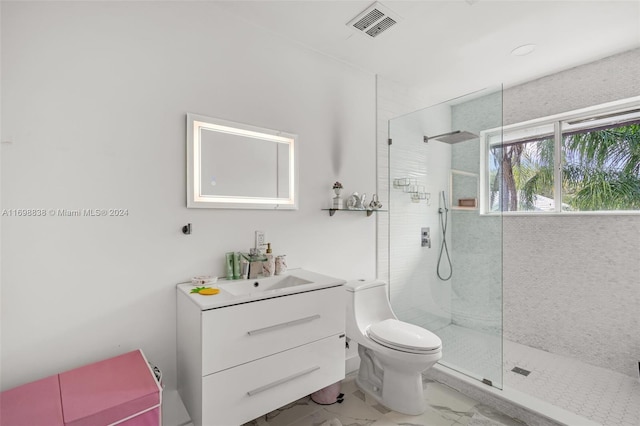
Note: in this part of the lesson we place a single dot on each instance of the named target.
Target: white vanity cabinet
(240, 361)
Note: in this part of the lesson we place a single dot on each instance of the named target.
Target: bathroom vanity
(258, 345)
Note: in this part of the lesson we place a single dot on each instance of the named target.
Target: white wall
(94, 100)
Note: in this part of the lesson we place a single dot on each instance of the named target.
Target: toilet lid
(404, 336)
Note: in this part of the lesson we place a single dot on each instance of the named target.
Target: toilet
(393, 354)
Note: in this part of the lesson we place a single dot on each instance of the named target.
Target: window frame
(486, 136)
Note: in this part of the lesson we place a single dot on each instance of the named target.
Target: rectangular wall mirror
(234, 165)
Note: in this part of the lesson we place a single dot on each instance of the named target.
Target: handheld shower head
(443, 212)
(444, 209)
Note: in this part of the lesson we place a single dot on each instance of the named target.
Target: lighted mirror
(233, 165)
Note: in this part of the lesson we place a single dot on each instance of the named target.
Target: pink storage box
(121, 390)
(34, 404)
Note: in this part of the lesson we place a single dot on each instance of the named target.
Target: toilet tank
(367, 303)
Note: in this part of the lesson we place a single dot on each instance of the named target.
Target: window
(587, 160)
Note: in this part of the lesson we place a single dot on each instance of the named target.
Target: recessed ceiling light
(523, 50)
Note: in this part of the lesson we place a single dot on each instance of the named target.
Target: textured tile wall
(572, 287)
(392, 100)
(609, 79)
(572, 284)
(476, 247)
(413, 289)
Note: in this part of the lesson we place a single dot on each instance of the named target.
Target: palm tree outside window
(575, 162)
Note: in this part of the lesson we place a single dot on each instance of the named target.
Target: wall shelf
(463, 208)
(368, 211)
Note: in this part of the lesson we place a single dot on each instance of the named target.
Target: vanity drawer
(238, 334)
(240, 394)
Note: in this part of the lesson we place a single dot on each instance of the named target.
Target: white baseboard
(352, 364)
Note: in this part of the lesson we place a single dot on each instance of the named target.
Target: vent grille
(374, 20)
(370, 18)
(380, 27)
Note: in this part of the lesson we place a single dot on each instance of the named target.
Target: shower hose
(444, 250)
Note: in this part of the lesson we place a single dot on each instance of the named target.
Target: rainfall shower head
(452, 137)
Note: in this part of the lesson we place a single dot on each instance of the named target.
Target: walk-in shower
(456, 285)
(464, 287)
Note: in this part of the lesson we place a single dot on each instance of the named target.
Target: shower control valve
(425, 237)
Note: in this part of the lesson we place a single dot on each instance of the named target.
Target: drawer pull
(284, 380)
(283, 325)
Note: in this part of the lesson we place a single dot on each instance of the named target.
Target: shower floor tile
(601, 395)
(470, 351)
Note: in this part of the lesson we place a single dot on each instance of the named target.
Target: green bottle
(236, 265)
(229, 260)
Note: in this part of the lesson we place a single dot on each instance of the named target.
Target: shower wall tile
(572, 284)
(393, 100)
(413, 268)
(476, 241)
(477, 279)
(475, 116)
(606, 80)
(572, 287)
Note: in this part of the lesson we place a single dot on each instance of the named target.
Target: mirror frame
(195, 199)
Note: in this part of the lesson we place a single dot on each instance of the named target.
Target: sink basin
(239, 288)
(235, 292)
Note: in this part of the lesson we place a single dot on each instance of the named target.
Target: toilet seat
(404, 337)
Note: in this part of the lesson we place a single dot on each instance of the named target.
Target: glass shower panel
(451, 281)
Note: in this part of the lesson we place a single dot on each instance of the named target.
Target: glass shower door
(445, 256)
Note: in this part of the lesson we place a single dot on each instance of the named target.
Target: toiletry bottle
(244, 267)
(269, 265)
(229, 265)
(236, 265)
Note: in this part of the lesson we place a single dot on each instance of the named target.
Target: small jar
(269, 266)
(281, 264)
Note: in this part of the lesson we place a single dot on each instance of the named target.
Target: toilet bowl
(393, 354)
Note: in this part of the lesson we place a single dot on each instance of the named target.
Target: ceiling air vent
(374, 20)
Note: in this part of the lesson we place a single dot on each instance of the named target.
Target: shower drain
(521, 371)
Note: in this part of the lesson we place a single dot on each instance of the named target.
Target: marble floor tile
(291, 412)
(431, 417)
(384, 422)
(483, 413)
(450, 402)
(354, 411)
(446, 407)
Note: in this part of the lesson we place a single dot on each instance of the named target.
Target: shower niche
(464, 188)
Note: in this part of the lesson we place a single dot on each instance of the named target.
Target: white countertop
(224, 298)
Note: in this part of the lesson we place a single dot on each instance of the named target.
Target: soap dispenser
(269, 265)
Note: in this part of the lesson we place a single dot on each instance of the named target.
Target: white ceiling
(443, 49)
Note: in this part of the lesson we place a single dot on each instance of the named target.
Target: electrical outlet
(259, 239)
